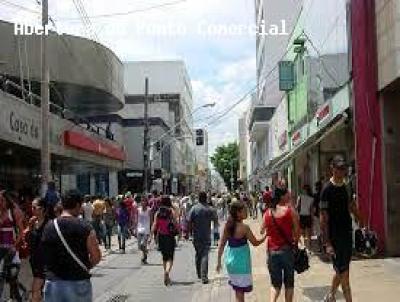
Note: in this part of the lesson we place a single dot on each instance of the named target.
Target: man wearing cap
(336, 207)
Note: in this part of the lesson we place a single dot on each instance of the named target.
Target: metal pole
(146, 144)
(45, 96)
(232, 176)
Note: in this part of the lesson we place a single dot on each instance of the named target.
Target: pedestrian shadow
(153, 264)
(118, 267)
(183, 283)
(318, 293)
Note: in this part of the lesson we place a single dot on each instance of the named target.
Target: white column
(113, 184)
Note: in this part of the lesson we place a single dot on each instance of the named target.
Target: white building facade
(171, 137)
(270, 50)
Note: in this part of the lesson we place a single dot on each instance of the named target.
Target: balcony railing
(10, 87)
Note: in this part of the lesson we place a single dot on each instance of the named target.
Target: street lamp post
(45, 96)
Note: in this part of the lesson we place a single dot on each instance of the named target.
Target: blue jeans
(122, 235)
(68, 291)
(281, 268)
(99, 228)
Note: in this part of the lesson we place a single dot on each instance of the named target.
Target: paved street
(122, 275)
(123, 278)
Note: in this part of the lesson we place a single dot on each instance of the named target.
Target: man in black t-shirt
(336, 207)
(67, 264)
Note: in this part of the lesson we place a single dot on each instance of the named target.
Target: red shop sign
(323, 113)
(282, 140)
(296, 137)
(89, 144)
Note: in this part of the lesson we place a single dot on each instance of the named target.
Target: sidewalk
(372, 280)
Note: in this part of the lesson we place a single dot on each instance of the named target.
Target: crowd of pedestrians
(62, 235)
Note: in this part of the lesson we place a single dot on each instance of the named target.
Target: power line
(19, 6)
(119, 14)
(321, 60)
(92, 33)
(250, 91)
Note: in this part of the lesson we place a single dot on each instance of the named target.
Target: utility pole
(146, 145)
(45, 96)
(232, 176)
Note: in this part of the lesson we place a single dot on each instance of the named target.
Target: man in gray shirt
(200, 218)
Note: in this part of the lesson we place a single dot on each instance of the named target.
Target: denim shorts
(68, 291)
(281, 268)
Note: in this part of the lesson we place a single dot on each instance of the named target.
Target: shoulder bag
(301, 261)
(67, 247)
(172, 228)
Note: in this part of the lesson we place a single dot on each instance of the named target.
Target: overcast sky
(222, 68)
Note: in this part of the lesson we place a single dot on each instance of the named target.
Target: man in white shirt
(87, 210)
(305, 208)
(143, 228)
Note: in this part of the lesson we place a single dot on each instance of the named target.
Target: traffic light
(199, 137)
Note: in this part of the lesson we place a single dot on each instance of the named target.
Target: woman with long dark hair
(34, 234)
(165, 225)
(281, 224)
(11, 231)
(237, 256)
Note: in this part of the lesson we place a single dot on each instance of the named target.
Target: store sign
(296, 138)
(134, 174)
(21, 125)
(89, 144)
(286, 75)
(282, 140)
(323, 114)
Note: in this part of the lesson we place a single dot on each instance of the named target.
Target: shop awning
(272, 163)
(314, 139)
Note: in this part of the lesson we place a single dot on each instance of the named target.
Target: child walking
(237, 257)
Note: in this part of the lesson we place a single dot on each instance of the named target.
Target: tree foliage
(225, 159)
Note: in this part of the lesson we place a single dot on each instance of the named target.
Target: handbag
(67, 247)
(301, 261)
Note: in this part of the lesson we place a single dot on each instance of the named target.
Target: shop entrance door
(391, 113)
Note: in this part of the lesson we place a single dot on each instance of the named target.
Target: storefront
(74, 151)
(312, 147)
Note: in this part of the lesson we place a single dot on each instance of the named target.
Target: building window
(83, 183)
(101, 184)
